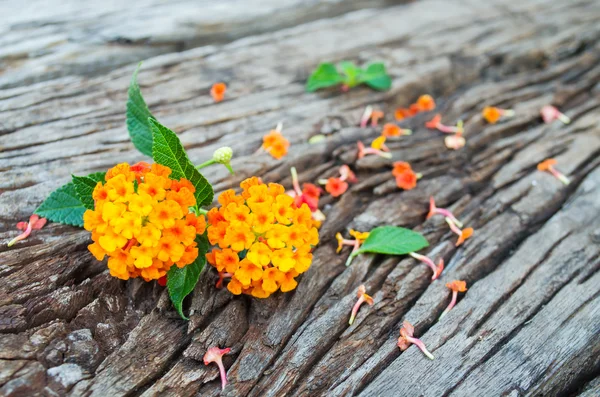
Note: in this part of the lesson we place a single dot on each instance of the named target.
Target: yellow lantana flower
(145, 231)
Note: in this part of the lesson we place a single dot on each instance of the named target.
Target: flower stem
(355, 309)
(559, 175)
(451, 305)
(223, 374)
(563, 118)
(209, 162)
(419, 343)
(21, 236)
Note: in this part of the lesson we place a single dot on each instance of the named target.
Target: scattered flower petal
(433, 210)
(363, 151)
(406, 339)
(548, 165)
(436, 269)
(493, 114)
(379, 144)
(275, 144)
(35, 223)
(336, 187)
(390, 130)
(362, 297)
(456, 286)
(425, 103)
(462, 234)
(550, 113)
(215, 355)
(455, 141)
(218, 91)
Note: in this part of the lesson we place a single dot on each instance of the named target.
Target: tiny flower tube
(436, 269)
(362, 151)
(462, 234)
(355, 244)
(35, 223)
(433, 210)
(222, 277)
(456, 286)
(346, 174)
(548, 165)
(493, 114)
(436, 124)
(390, 130)
(407, 338)
(455, 141)
(218, 91)
(550, 113)
(223, 156)
(364, 119)
(362, 297)
(215, 355)
(375, 117)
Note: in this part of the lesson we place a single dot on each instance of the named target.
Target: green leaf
(168, 151)
(137, 117)
(84, 187)
(376, 77)
(63, 206)
(181, 282)
(351, 73)
(326, 75)
(392, 240)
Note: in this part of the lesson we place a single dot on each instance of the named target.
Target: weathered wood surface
(530, 322)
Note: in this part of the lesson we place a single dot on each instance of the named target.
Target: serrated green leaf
(392, 240)
(181, 282)
(168, 151)
(63, 206)
(84, 187)
(137, 117)
(376, 77)
(325, 75)
(351, 73)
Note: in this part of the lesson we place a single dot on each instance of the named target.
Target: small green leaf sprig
(349, 75)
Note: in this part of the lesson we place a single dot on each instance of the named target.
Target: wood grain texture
(529, 325)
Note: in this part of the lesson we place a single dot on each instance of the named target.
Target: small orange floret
(390, 129)
(375, 117)
(491, 114)
(406, 180)
(426, 103)
(546, 164)
(218, 91)
(401, 114)
(400, 167)
(275, 144)
(457, 285)
(336, 187)
(466, 233)
(433, 123)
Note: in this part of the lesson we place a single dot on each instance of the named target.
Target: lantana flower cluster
(141, 221)
(264, 240)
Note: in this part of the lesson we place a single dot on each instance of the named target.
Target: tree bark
(529, 323)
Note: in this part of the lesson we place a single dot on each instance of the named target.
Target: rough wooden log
(529, 323)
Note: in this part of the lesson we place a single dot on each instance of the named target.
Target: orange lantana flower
(426, 103)
(275, 143)
(218, 91)
(265, 240)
